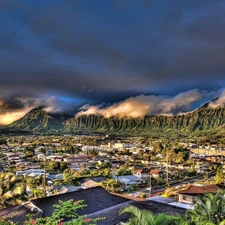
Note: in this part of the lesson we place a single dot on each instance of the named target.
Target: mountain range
(203, 120)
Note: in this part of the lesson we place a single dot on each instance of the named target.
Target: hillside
(37, 120)
(201, 121)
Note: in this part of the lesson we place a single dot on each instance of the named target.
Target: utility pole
(167, 164)
(45, 170)
(150, 185)
(150, 179)
(167, 169)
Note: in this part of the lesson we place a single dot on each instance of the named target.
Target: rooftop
(200, 189)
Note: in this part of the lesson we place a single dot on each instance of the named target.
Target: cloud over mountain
(143, 105)
(12, 109)
(219, 101)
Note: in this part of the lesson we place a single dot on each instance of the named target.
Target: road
(176, 183)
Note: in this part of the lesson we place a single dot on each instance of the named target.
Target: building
(78, 159)
(156, 173)
(188, 195)
(142, 173)
(100, 203)
(92, 182)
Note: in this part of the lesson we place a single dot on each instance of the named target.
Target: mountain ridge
(205, 119)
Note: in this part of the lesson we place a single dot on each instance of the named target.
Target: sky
(111, 57)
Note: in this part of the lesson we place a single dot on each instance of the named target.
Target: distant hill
(39, 120)
(203, 120)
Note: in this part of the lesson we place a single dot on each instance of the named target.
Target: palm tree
(146, 217)
(208, 208)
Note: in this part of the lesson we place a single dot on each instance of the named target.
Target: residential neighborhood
(135, 169)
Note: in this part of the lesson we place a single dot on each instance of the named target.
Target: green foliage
(103, 165)
(69, 177)
(123, 170)
(113, 185)
(3, 141)
(12, 190)
(220, 176)
(208, 208)
(29, 151)
(146, 217)
(53, 166)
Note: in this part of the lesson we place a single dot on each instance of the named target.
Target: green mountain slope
(36, 120)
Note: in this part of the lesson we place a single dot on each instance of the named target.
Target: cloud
(9, 117)
(12, 109)
(56, 48)
(56, 105)
(143, 105)
(219, 101)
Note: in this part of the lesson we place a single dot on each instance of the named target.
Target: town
(141, 168)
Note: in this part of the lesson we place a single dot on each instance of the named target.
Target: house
(117, 163)
(188, 195)
(61, 189)
(96, 199)
(202, 168)
(91, 182)
(121, 146)
(100, 203)
(185, 166)
(78, 159)
(15, 157)
(31, 172)
(131, 180)
(55, 158)
(156, 173)
(142, 173)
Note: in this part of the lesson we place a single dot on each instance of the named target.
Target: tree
(12, 190)
(53, 166)
(219, 178)
(113, 185)
(69, 177)
(140, 154)
(3, 141)
(208, 208)
(146, 217)
(29, 151)
(63, 166)
(123, 170)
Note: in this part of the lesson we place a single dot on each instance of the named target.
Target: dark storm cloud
(106, 51)
(10, 104)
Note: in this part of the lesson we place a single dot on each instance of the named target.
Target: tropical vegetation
(209, 209)
(12, 190)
